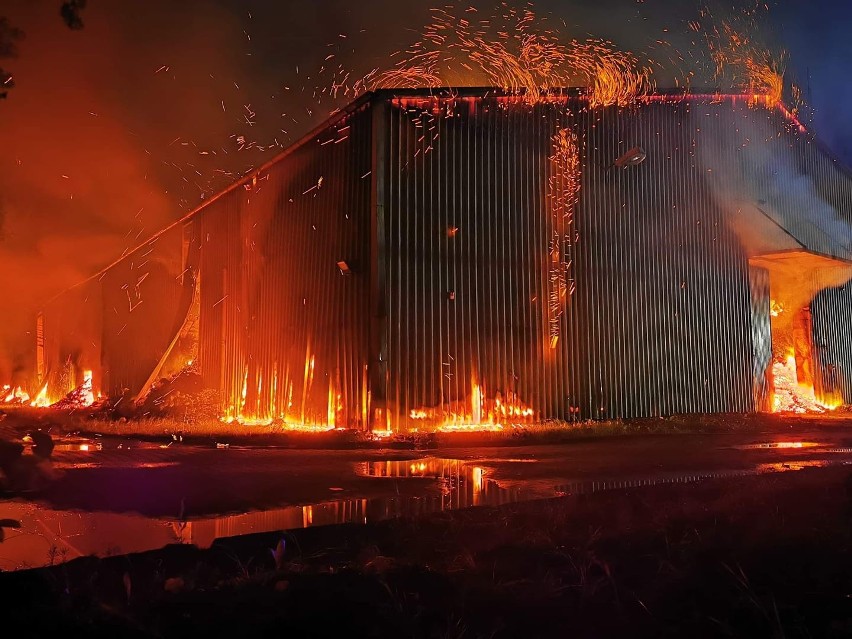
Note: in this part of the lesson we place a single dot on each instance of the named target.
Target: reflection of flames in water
(790, 396)
(478, 413)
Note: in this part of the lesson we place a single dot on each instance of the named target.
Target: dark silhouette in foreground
(20, 473)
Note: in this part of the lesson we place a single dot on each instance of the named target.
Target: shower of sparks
(742, 62)
(513, 50)
(564, 193)
(519, 52)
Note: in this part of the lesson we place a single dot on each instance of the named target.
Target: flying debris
(633, 157)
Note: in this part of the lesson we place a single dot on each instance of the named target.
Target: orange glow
(87, 388)
(516, 51)
(794, 444)
(15, 395)
(753, 69)
(564, 194)
(790, 396)
(477, 413)
(41, 400)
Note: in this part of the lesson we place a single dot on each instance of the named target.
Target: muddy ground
(762, 556)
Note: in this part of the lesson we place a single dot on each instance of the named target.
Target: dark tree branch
(9, 36)
(70, 13)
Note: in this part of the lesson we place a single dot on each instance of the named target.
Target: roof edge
(335, 117)
(442, 93)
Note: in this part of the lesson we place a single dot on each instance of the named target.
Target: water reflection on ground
(50, 536)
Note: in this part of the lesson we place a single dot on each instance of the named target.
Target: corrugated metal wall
(459, 262)
(283, 332)
(660, 321)
(144, 299)
(831, 313)
(761, 337)
(72, 332)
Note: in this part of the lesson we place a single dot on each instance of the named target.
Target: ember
(791, 396)
(81, 397)
(478, 413)
(15, 395)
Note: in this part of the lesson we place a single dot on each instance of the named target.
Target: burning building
(468, 259)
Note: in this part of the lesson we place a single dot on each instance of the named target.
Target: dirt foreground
(763, 556)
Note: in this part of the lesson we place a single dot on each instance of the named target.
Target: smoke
(771, 202)
(87, 171)
(780, 214)
(118, 128)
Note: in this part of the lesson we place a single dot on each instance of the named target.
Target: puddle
(588, 487)
(779, 445)
(47, 536)
(52, 536)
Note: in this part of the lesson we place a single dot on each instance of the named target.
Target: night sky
(118, 128)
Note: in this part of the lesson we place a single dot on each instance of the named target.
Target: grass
(207, 430)
(766, 558)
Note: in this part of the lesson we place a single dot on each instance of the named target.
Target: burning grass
(769, 557)
(205, 431)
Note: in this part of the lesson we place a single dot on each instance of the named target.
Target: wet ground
(113, 496)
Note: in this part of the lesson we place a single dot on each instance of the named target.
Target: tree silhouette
(10, 35)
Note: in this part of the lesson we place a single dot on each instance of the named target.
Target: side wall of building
(264, 290)
(285, 283)
(659, 320)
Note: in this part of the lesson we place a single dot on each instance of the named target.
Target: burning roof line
(675, 94)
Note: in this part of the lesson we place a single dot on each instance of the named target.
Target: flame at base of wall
(790, 396)
(283, 423)
(478, 413)
(82, 396)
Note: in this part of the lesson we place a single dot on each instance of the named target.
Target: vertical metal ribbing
(633, 342)
(378, 266)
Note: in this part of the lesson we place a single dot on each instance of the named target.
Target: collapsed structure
(465, 259)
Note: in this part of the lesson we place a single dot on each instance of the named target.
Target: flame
(82, 396)
(41, 400)
(789, 395)
(87, 389)
(477, 412)
(15, 395)
(285, 420)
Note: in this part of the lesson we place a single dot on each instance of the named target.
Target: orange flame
(477, 413)
(791, 396)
